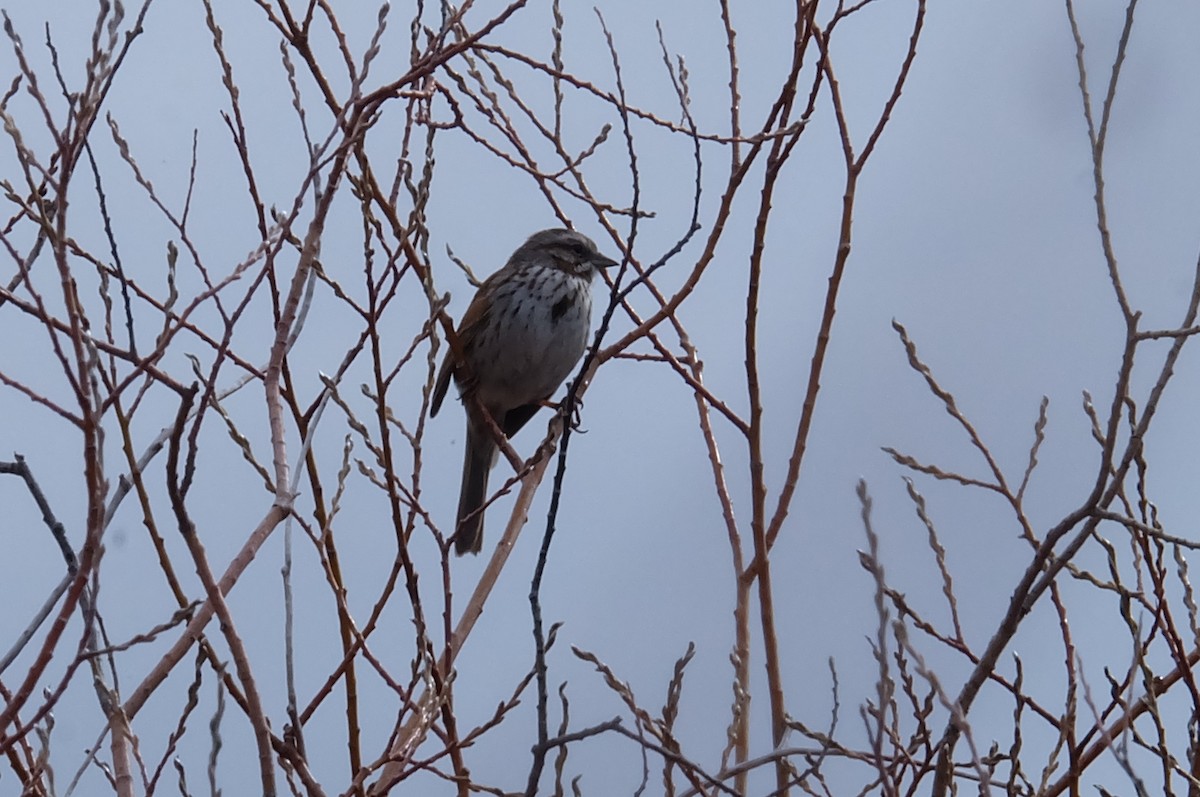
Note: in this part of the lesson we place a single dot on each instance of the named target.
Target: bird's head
(569, 250)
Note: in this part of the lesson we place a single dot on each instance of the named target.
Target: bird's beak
(600, 261)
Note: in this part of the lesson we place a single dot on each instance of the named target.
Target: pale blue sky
(975, 229)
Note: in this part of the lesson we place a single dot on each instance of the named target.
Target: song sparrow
(521, 335)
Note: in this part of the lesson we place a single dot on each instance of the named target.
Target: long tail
(477, 462)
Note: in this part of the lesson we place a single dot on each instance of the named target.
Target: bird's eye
(579, 249)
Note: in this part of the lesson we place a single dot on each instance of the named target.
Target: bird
(521, 336)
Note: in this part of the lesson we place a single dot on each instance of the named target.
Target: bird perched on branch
(522, 334)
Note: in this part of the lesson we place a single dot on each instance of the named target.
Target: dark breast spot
(561, 306)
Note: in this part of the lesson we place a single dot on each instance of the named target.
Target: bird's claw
(560, 407)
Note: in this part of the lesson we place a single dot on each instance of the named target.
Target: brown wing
(443, 382)
(471, 321)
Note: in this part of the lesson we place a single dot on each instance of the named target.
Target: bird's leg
(576, 420)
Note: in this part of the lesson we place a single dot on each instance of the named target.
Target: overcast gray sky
(975, 229)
